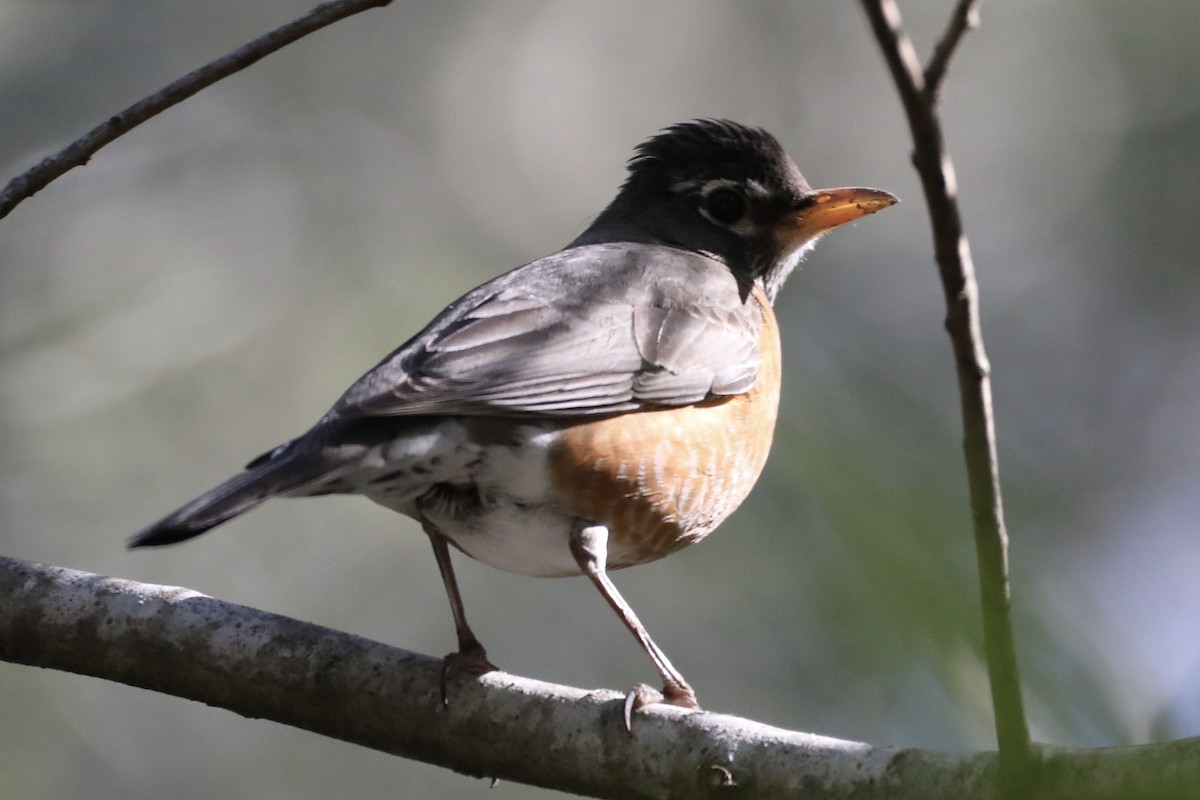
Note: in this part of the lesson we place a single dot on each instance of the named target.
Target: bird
(598, 408)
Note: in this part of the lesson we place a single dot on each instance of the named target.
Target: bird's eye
(725, 206)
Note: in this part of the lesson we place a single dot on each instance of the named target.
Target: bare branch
(81, 150)
(964, 18)
(953, 255)
(901, 56)
(262, 665)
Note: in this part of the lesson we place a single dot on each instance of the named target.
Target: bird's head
(730, 192)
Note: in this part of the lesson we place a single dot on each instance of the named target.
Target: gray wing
(596, 329)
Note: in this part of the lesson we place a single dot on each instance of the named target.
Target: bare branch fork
(82, 149)
(919, 93)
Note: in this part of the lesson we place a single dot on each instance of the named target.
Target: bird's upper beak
(825, 209)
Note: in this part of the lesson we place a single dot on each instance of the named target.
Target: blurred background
(209, 284)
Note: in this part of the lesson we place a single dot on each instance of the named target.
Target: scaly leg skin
(589, 546)
(471, 657)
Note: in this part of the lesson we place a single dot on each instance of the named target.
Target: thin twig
(964, 18)
(81, 150)
(957, 273)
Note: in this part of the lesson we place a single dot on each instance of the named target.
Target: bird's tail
(282, 471)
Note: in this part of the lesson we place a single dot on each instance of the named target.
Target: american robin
(601, 407)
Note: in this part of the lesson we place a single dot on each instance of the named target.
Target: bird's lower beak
(825, 209)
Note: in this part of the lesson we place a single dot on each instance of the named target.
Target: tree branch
(964, 18)
(262, 665)
(81, 150)
(919, 96)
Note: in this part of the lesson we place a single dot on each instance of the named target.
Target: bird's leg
(470, 655)
(589, 546)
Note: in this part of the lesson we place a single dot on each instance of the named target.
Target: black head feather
(712, 148)
(662, 199)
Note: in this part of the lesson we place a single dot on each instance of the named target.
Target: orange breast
(663, 479)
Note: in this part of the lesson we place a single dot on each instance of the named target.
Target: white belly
(516, 525)
(526, 541)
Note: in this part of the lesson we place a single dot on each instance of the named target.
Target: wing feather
(596, 329)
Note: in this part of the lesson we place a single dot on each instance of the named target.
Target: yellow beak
(832, 207)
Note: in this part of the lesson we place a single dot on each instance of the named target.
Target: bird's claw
(471, 659)
(642, 695)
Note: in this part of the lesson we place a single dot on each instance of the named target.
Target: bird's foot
(471, 658)
(642, 695)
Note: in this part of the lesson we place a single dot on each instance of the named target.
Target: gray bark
(263, 665)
